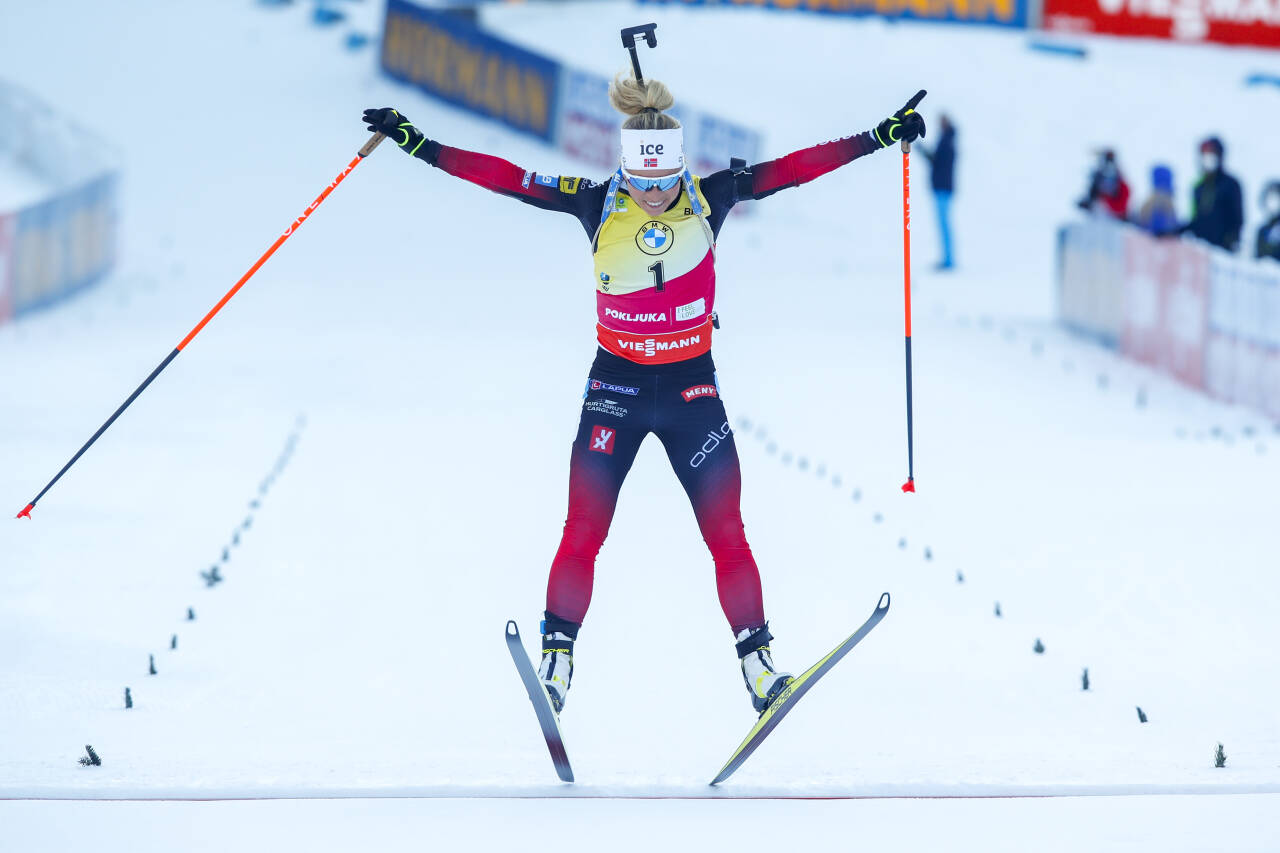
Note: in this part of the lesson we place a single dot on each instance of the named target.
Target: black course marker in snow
(548, 720)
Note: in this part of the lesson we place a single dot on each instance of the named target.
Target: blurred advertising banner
(1207, 318)
(1091, 280)
(1243, 349)
(58, 236)
(6, 243)
(711, 141)
(456, 61)
(1005, 13)
(451, 57)
(1166, 305)
(588, 123)
(1242, 22)
(61, 245)
(589, 128)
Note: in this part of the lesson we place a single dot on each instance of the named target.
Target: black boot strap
(758, 640)
(552, 624)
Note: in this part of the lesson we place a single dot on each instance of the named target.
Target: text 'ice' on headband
(652, 149)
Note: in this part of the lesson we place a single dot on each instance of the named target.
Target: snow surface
(19, 187)
(426, 342)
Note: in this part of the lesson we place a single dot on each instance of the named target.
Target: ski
(792, 692)
(547, 717)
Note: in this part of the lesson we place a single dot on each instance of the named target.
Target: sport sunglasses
(646, 184)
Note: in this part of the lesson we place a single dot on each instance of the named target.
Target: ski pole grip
(906, 147)
(373, 143)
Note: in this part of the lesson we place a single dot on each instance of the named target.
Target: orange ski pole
(364, 152)
(910, 485)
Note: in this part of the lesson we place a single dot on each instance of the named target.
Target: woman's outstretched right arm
(578, 196)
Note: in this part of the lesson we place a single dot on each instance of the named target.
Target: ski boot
(556, 670)
(764, 683)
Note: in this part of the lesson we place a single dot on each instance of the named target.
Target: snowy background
(389, 404)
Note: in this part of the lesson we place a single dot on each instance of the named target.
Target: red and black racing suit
(679, 401)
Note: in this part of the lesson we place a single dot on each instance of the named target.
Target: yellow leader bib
(636, 250)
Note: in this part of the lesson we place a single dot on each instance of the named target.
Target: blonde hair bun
(643, 102)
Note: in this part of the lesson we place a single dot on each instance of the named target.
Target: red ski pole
(364, 152)
(910, 485)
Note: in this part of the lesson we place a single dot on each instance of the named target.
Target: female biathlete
(653, 229)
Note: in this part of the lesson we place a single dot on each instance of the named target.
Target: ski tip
(512, 630)
(26, 513)
(910, 485)
(883, 604)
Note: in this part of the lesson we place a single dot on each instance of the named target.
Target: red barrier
(1189, 310)
(1166, 305)
(1242, 22)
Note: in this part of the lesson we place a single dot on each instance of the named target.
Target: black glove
(396, 127)
(906, 124)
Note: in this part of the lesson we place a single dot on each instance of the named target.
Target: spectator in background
(1268, 244)
(942, 162)
(1108, 193)
(1217, 208)
(1157, 214)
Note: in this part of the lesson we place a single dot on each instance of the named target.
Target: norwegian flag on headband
(656, 149)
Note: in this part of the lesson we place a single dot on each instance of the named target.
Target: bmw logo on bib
(654, 237)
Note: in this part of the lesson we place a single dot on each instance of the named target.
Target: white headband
(652, 149)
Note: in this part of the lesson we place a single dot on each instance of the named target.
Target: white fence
(1208, 318)
(64, 240)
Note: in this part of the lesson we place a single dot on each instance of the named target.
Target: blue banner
(716, 140)
(1005, 13)
(452, 59)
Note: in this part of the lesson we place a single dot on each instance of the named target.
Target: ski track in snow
(352, 649)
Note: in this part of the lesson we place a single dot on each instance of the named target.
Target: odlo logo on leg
(708, 447)
(602, 439)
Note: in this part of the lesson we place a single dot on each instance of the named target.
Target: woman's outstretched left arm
(802, 166)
